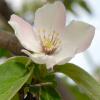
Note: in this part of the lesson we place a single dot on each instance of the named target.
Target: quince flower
(50, 41)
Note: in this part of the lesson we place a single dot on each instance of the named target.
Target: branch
(10, 42)
(5, 10)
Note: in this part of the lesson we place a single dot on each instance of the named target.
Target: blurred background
(84, 10)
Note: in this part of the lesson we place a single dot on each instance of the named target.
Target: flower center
(50, 42)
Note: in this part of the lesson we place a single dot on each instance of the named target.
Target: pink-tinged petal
(79, 35)
(76, 38)
(24, 32)
(66, 53)
(51, 16)
(63, 60)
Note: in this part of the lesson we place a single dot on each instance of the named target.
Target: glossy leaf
(16, 97)
(4, 52)
(13, 76)
(49, 93)
(82, 78)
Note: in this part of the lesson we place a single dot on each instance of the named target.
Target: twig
(10, 42)
(38, 85)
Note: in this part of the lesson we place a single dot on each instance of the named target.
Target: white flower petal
(41, 58)
(76, 38)
(24, 33)
(51, 16)
(63, 60)
(79, 35)
(66, 52)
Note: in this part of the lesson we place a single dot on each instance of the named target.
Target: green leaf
(16, 97)
(13, 76)
(82, 78)
(49, 93)
(69, 4)
(79, 95)
(4, 52)
(84, 5)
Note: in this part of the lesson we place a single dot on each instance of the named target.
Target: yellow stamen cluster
(50, 42)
